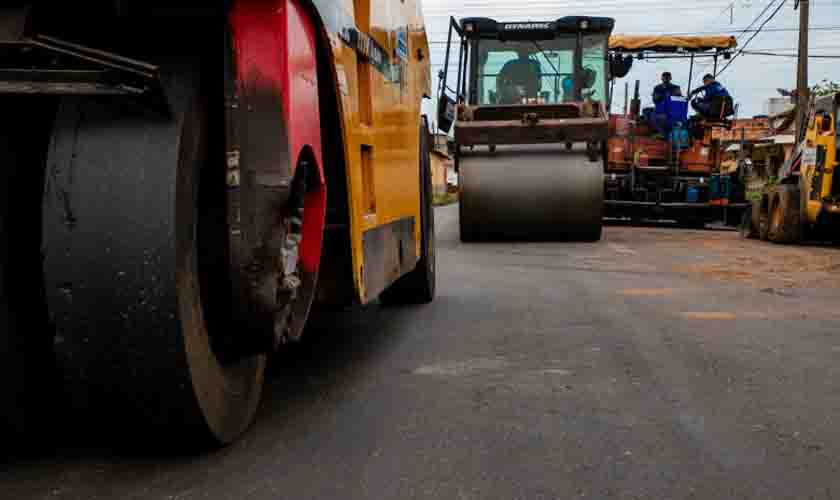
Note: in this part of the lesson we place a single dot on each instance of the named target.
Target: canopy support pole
(690, 74)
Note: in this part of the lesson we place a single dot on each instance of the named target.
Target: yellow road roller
(164, 231)
(530, 120)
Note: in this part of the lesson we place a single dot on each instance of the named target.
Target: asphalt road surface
(656, 364)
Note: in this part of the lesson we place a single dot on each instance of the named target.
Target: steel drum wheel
(135, 261)
(531, 193)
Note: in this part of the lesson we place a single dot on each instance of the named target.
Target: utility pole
(802, 89)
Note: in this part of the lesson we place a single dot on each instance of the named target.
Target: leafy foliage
(825, 87)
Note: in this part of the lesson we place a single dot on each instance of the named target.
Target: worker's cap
(708, 76)
(667, 74)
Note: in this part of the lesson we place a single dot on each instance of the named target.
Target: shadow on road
(334, 351)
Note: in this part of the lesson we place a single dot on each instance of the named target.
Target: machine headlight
(584, 25)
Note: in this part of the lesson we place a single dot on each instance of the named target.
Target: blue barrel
(692, 195)
(677, 110)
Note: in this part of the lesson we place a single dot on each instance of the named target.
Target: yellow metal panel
(390, 135)
(816, 138)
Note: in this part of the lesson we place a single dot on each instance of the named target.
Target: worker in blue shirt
(711, 90)
(661, 93)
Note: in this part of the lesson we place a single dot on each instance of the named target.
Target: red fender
(275, 47)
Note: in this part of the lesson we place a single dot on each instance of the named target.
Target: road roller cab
(529, 114)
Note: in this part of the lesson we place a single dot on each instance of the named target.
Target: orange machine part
(698, 159)
(656, 149)
(618, 154)
(624, 126)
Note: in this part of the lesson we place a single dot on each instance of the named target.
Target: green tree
(825, 87)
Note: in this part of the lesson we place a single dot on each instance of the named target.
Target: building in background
(444, 178)
(777, 105)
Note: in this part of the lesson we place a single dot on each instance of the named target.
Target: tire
(132, 242)
(27, 371)
(748, 229)
(763, 216)
(785, 227)
(418, 286)
(12, 349)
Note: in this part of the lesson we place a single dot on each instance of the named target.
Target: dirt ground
(725, 256)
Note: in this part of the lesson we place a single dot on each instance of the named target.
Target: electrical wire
(697, 33)
(775, 54)
(735, 57)
(755, 21)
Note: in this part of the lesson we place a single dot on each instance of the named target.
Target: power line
(615, 8)
(729, 8)
(816, 47)
(618, 6)
(782, 4)
(722, 32)
(753, 23)
(775, 54)
(705, 67)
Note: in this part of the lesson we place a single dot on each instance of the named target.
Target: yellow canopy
(633, 43)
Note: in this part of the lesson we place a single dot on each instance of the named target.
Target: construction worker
(661, 94)
(520, 77)
(712, 92)
(666, 88)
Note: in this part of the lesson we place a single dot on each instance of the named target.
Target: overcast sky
(751, 79)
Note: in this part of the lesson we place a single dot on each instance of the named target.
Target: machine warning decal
(367, 47)
(809, 157)
(402, 44)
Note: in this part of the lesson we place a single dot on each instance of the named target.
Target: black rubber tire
(754, 220)
(12, 350)
(763, 215)
(27, 371)
(784, 215)
(126, 269)
(748, 228)
(418, 286)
